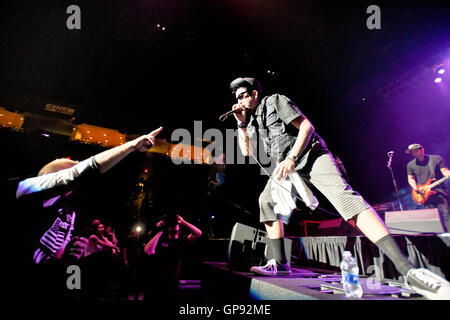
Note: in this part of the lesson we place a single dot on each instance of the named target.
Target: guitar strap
(430, 166)
(433, 175)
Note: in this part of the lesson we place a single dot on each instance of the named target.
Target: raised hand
(76, 247)
(180, 220)
(147, 141)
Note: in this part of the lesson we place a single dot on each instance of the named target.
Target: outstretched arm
(58, 181)
(109, 158)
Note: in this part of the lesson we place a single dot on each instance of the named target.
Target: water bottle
(350, 276)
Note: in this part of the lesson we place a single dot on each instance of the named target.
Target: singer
(290, 139)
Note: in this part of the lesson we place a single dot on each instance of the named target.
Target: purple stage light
(437, 80)
(46, 135)
(441, 71)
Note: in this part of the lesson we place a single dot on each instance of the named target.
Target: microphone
(390, 155)
(226, 115)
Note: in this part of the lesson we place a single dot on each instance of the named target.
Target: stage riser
(219, 283)
(414, 221)
(427, 251)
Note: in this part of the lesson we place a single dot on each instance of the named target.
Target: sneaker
(272, 268)
(428, 284)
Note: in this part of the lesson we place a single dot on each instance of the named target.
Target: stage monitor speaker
(338, 227)
(248, 247)
(414, 221)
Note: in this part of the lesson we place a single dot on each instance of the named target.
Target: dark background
(366, 92)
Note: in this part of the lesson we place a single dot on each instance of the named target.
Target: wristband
(242, 125)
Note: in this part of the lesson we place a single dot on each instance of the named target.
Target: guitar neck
(437, 182)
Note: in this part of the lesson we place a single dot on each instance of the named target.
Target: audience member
(133, 257)
(166, 249)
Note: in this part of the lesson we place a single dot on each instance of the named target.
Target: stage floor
(220, 282)
(316, 275)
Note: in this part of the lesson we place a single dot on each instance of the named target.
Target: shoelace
(271, 264)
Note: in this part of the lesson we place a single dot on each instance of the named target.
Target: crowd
(93, 262)
(140, 266)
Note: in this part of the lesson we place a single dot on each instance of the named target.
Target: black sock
(278, 250)
(390, 248)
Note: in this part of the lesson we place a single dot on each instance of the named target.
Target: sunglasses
(240, 96)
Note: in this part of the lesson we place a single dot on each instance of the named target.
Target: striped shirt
(57, 237)
(50, 190)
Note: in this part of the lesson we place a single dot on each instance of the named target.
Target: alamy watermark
(73, 22)
(374, 20)
(222, 143)
(74, 279)
(374, 281)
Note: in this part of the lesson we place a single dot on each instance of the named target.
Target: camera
(169, 221)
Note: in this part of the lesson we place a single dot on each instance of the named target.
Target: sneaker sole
(263, 273)
(283, 273)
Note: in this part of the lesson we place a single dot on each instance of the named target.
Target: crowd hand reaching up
(76, 247)
(195, 232)
(145, 142)
(180, 220)
(112, 234)
(160, 224)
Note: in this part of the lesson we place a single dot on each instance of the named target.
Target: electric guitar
(425, 190)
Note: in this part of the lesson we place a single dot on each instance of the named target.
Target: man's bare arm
(109, 158)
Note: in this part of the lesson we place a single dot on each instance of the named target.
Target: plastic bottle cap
(347, 254)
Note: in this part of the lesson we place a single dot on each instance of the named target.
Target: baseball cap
(250, 83)
(413, 146)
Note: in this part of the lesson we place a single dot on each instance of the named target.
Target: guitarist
(423, 168)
